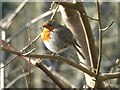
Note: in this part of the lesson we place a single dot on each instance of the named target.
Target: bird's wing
(65, 34)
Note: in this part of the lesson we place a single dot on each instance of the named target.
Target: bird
(58, 38)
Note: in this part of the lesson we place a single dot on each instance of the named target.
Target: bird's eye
(50, 25)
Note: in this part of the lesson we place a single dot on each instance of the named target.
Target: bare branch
(17, 78)
(92, 18)
(29, 64)
(29, 52)
(37, 37)
(9, 21)
(63, 80)
(108, 76)
(89, 72)
(104, 29)
(33, 21)
(7, 45)
(42, 67)
(52, 17)
(25, 76)
(8, 62)
(100, 45)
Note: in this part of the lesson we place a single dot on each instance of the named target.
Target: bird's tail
(79, 51)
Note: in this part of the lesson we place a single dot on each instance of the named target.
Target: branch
(29, 64)
(17, 78)
(43, 68)
(31, 22)
(63, 80)
(108, 76)
(88, 34)
(89, 72)
(52, 17)
(25, 76)
(104, 76)
(9, 21)
(104, 29)
(27, 46)
(100, 45)
(95, 19)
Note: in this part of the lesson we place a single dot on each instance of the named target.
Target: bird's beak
(44, 25)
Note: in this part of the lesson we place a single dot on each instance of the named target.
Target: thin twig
(17, 78)
(32, 50)
(91, 18)
(111, 75)
(100, 45)
(104, 29)
(9, 21)
(52, 4)
(16, 57)
(29, 64)
(24, 75)
(37, 37)
(33, 21)
(8, 62)
(52, 17)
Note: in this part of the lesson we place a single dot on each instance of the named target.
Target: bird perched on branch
(58, 38)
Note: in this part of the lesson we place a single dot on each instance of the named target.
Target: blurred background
(17, 35)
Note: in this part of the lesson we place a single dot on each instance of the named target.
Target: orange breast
(45, 35)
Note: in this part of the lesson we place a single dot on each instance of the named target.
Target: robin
(58, 38)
